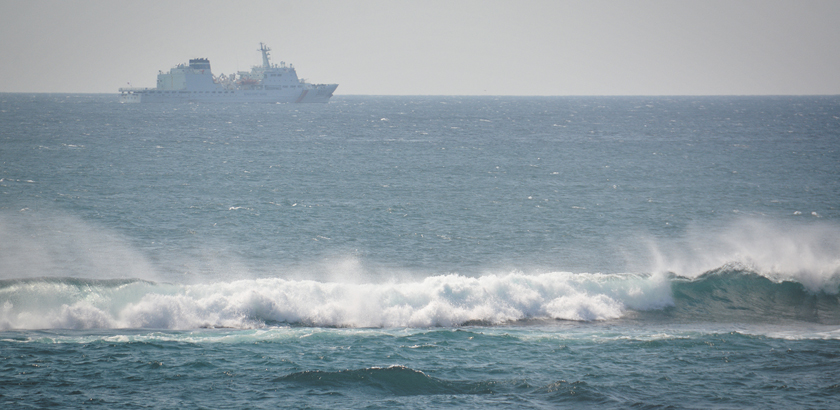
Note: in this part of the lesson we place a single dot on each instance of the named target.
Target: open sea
(420, 252)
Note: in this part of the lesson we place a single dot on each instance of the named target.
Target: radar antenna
(264, 49)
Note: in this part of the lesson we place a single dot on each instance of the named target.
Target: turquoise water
(425, 252)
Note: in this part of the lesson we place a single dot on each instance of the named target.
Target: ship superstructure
(266, 83)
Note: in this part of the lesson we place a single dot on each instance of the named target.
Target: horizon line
(487, 95)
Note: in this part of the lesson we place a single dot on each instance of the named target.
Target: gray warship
(268, 83)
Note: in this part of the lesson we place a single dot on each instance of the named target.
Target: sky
(433, 47)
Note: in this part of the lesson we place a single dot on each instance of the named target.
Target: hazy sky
(432, 47)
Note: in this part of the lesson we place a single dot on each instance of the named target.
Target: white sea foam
(444, 300)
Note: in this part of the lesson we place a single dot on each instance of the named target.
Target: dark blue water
(424, 252)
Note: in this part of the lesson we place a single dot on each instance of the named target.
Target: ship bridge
(200, 64)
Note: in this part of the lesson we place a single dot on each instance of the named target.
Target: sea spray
(807, 253)
(56, 244)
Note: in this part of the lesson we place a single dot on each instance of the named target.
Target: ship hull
(316, 94)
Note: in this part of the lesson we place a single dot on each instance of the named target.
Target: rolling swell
(394, 380)
(404, 381)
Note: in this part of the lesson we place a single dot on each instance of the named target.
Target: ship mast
(264, 49)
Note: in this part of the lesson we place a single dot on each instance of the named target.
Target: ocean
(420, 252)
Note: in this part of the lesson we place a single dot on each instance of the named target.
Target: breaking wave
(730, 293)
(735, 294)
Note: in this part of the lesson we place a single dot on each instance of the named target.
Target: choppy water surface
(420, 251)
